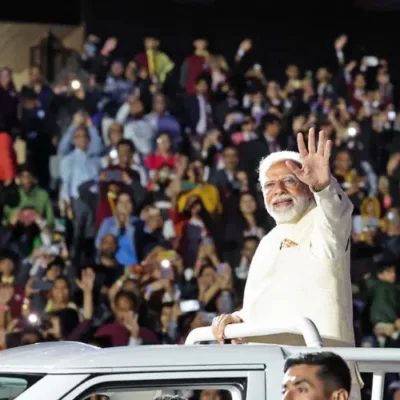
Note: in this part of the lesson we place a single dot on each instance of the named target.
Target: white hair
(274, 158)
(300, 203)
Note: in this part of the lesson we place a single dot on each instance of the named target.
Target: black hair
(131, 297)
(58, 261)
(383, 267)
(333, 370)
(251, 238)
(126, 142)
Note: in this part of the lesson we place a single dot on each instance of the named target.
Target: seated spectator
(195, 186)
(125, 330)
(121, 225)
(385, 305)
(60, 296)
(31, 196)
(163, 121)
(162, 154)
(139, 131)
(370, 212)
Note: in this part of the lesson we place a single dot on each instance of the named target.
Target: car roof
(58, 357)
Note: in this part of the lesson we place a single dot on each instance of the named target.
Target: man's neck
(108, 261)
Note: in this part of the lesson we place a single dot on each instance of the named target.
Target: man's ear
(340, 394)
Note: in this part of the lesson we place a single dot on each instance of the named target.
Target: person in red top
(8, 159)
(163, 154)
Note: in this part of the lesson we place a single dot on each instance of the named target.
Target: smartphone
(115, 176)
(44, 286)
(189, 306)
(165, 269)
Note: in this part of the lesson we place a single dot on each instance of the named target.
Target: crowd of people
(130, 206)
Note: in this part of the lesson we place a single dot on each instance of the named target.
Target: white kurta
(311, 278)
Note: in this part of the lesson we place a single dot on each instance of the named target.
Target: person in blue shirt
(122, 226)
(76, 168)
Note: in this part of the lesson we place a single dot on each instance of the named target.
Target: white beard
(287, 215)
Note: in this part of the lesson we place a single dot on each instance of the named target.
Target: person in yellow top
(195, 186)
(157, 63)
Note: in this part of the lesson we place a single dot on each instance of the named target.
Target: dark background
(283, 31)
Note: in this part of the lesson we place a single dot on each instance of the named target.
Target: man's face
(388, 275)
(292, 71)
(200, 44)
(35, 75)
(137, 108)
(301, 382)
(115, 133)
(124, 205)
(125, 154)
(285, 197)
(230, 158)
(26, 180)
(273, 129)
(359, 81)
(322, 74)
(117, 69)
(151, 43)
(343, 161)
(159, 104)
(202, 87)
(81, 139)
(108, 246)
(196, 172)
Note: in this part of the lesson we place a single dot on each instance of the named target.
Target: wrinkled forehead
(276, 172)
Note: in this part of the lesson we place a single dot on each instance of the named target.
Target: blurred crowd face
(210, 395)
(286, 198)
(125, 155)
(388, 275)
(35, 75)
(117, 69)
(60, 291)
(108, 246)
(159, 105)
(292, 72)
(249, 249)
(6, 267)
(202, 87)
(122, 307)
(343, 161)
(273, 129)
(5, 77)
(115, 133)
(124, 205)
(273, 90)
(81, 139)
(27, 180)
(164, 143)
(247, 204)
(200, 44)
(151, 43)
(230, 158)
(137, 107)
(196, 171)
(359, 81)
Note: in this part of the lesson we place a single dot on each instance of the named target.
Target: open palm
(315, 171)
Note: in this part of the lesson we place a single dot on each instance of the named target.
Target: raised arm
(332, 226)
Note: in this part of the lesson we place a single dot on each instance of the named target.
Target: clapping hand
(315, 171)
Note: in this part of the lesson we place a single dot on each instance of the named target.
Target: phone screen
(190, 306)
(114, 176)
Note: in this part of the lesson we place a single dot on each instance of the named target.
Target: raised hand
(131, 324)
(315, 171)
(86, 283)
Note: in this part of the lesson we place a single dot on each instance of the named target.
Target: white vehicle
(75, 371)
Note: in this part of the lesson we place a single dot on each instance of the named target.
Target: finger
(327, 151)
(301, 146)
(294, 167)
(321, 143)
(311, 141)
(221, 329)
